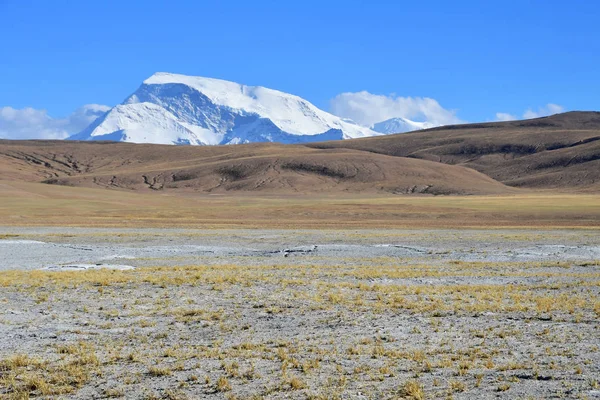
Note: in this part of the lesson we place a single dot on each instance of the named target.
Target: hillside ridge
(561, 151)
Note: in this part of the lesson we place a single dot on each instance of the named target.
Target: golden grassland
(146, 327)
(343, 285)
(31, 204)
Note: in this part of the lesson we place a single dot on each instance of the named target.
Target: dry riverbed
(299, 314)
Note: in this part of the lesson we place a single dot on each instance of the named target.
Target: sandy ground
(357, 314)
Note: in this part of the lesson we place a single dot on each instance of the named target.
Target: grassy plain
(35, 204)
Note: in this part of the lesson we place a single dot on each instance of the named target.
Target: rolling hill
(266, 168)
(556, 152)
(560, 152)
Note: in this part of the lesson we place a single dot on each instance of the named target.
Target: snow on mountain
(142, 123)
(400, 125)
(179, 109)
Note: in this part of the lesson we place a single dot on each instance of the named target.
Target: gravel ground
(35, 248)
(365, 314)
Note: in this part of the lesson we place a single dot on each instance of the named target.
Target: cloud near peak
(505, 117)
(544, 111)
(548, 109)
(31, 123)
(367, 109)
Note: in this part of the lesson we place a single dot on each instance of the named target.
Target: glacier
(179, 109)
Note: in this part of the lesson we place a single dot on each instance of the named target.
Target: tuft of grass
(503, 387)
(223, 384)
(114, 392)
(159, 371)
(413, 389)
(296, 383)
(457, 386)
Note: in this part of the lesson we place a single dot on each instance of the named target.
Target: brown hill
(265, 168)
(560, 152)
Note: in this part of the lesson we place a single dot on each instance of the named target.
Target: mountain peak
(400, 125)
(197, 82)
(197, 110)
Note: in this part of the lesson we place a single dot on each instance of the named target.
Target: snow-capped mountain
(400, 125)
(180, 109)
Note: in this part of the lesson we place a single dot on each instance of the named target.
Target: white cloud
(31, 123)
(505, 117)
(367, 109)
(544, 111)
(548, 109)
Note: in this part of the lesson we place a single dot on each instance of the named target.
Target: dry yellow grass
(30, 204)
(22, 376)
(176, 324)
(358, 289)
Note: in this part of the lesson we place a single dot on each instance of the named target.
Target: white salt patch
(20, 242)
(116, 256)
(85, 267)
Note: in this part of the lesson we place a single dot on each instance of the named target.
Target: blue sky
(475, 58)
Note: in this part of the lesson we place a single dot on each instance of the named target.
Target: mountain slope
(561, 151)
(262, 167)
(179, 109)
